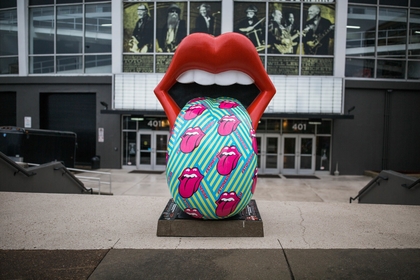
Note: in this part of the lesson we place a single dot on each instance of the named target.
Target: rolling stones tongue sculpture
(214, 94)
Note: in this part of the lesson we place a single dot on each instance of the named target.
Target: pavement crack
(287, 261)
(113, 246)
(302, 226)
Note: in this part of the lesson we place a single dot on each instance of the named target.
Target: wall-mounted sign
(101, 137)
(28, 122)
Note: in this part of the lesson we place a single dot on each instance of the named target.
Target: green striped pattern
(204, 157)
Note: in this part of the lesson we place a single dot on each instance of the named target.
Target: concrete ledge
(32, 221)
(175, 223)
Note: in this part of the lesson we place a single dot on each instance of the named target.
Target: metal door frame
(298, 140)
(262, 152)
(153, 152)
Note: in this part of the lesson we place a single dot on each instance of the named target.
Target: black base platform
(175, 223)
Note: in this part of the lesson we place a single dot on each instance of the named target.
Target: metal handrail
(19, 169)
(368, 186)
(88, 178)
(412, 185)
(95, 178)
(72, 177)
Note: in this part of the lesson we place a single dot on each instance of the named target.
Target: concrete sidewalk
(56, 236)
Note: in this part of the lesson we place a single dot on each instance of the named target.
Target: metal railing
(16, 166)
(412, 185)
(90, 179)
(368, 186)
(95, 179)
(70, 175)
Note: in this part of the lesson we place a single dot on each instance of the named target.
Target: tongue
(226, 127)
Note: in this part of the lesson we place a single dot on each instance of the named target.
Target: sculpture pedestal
(175, 223)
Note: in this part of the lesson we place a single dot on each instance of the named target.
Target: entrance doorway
(298, 154)
(268, 153)
(152, 146)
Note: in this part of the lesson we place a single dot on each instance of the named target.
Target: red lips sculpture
(212, 154)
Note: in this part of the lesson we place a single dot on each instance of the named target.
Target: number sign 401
(155, 123)
(299, 126)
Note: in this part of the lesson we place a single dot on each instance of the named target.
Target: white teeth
(223, 79)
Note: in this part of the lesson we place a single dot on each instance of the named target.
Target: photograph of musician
(142, 37)
(174, 30)
(277, 34)
(252, 27)
(276, 31)
(320, 31)
(204, 21)
(293, 29)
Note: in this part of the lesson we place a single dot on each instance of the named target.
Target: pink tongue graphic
(189, 181)
(228, 159)
(194, 111)
(227, 125)
(226, 204)
(191, 139)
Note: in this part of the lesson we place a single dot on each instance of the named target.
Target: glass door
(268, 153)
(152, 149)
(298, 154)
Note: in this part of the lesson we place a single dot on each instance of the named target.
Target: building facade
(346, 74)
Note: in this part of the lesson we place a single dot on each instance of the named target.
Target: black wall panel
(75, 112)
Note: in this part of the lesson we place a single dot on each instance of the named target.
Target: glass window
(9, 65)
(387, 53)
(41, 64)
(69, 64)
(98, 28)
(414, 35)
(76, 38)
(364, 68)
(392, 32)
(391, 69)
(413, 70)
(7, 4)
(361, 31)
(98, 64)
(402, 3)
(9, 42)
(41, 30)
(69, 29)
(8, 32)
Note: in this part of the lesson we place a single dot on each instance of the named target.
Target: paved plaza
(311, 231)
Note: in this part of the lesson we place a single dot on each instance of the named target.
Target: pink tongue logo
(228, 159)
(227, 125)
(189, 181)
(193, 212)
(191, 139)
(226, 204)
(227, 104)
(193, 111)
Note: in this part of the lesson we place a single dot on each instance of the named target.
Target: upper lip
(231, 53)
